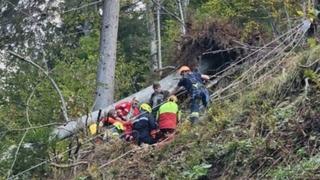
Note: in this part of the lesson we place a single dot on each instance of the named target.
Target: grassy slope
(269, 130)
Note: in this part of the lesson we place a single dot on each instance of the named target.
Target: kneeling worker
(143, 125)
(168, 117)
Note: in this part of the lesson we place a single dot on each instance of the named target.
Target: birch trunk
(108, 49)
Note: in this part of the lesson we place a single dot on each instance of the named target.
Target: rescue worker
(112, 119)
(193, 82)
(143, 125)
(168, 117)
(157, 97)
(128, 109)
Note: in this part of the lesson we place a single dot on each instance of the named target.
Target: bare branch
(68, 165)
(310, 65)
(306, 87)
(165, 68)
(81, 7)
(119, 157)
(64, 107)
(36, 127)
(28, 101)
(167, 11)
(16, 154)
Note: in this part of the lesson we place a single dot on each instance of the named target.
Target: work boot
(194, 117)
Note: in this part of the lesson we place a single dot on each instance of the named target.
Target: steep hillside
(267, 126)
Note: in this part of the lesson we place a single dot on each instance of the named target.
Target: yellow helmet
(119, 126)
(146, 107)
(173, 98)
(184, 68)
(93, 129)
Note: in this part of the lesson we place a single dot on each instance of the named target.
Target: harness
(197, 85)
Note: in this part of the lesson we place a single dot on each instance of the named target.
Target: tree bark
(153, 36)
(182, 15)
(108, 49)
(159, 37)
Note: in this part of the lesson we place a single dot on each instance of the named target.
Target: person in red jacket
(168, 117)
(111, 119)
(127, 109)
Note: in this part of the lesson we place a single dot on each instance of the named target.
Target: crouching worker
(143, 125)
(168, 117)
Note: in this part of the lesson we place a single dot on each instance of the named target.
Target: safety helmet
(173, 98)
(93, 129)
(146, 107)
(119, 126)
(184, 68)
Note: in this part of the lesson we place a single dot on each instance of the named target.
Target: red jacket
(126, 124)
(111, 120)
(124, 108)
(168, 115)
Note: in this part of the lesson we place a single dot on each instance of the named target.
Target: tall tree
(159, 36)
(108, 49)
(153, 35)
(182, 15)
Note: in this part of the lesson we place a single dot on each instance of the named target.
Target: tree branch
(310, 65)
(37, 127)
(119, 157)
(16, 154)
(167, 11)
(28, 101)
(164, 68)
(68, 165)
(64, 107)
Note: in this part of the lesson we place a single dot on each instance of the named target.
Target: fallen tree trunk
(191, 50)
(64, 131)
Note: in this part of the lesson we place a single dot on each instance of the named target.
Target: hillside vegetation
(262, 57)
(269, 129)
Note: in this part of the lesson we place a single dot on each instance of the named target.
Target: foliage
(237, 139)
(197, 171)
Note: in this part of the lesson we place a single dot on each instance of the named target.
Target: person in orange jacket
(127, 109)
(114, 120)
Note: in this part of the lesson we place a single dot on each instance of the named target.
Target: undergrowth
(270, 129)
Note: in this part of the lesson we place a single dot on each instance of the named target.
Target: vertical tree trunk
(159, 36)
(108, 49)
(182, 15)
(153, 35)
